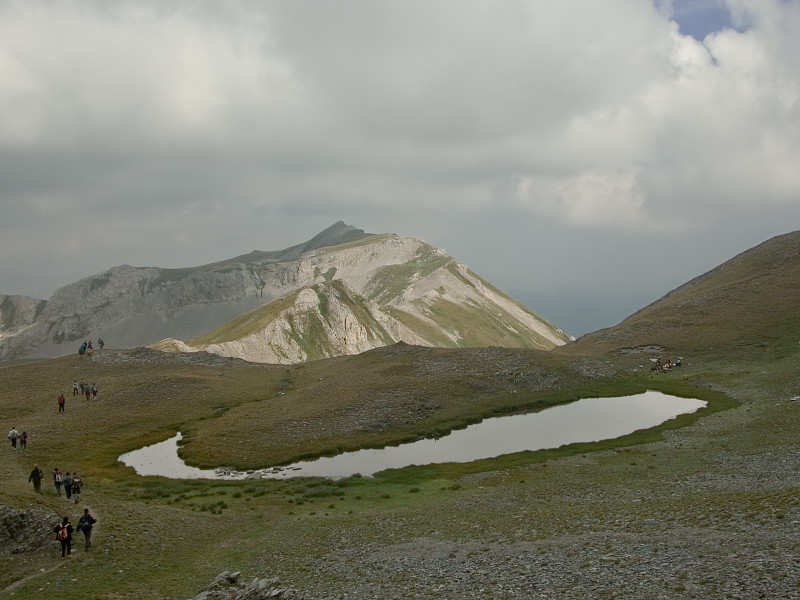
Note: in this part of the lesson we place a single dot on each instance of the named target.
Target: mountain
(747, 306)
(343, 291)
(18, 311)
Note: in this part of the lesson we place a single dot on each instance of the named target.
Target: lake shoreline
(585, 421)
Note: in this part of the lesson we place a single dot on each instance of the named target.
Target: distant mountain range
(342, 292)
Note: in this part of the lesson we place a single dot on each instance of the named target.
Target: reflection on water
(587, 420)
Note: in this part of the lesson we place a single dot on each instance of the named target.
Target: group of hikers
(64, 532)
(15, 436)
(81, 388)
(72, 483)
(87, 348)
(668, 365)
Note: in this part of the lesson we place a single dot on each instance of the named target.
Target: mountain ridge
(134, 306)
(426, 299)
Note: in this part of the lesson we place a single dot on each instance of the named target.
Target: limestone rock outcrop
(227, 586)
(26, 530)
(342, 292)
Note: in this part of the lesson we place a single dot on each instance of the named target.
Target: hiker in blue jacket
(85, 525)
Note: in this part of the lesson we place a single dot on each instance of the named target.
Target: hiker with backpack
(57, 480)
(64, 535)
(85, 525)
(77, 484)
(61, 402)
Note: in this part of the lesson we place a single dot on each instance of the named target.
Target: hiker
(57, 477)
(89, 347)
(13, 435)
(85, 525)
(75, 388)
(61, 402)
(94, 391)
(64, 535)
(67, 481)
(36, 478)
(23, 440)
(77, 484)
(82, 386)
(88, 391)
(678, 362)
(100, 343)
(82, 349)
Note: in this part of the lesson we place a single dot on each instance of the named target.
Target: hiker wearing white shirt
(13, 435)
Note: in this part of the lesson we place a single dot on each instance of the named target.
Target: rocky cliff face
(17, 312)
(342, 292)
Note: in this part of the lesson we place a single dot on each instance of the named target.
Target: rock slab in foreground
(226, 586)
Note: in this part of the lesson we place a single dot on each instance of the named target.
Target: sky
(586, 157)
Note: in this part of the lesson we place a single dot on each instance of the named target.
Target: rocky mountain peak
(341, 292)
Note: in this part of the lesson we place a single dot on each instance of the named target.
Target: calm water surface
(587, 420)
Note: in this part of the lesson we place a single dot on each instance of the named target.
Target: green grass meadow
(158, 537)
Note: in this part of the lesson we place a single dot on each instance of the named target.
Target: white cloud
(181, 119)
(134, 74)
(597, 199)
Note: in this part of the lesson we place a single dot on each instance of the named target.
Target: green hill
(745, 309)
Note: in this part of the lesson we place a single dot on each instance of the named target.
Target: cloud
(590, 199)
(178, 121)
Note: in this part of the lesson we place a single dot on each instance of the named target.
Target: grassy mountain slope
(747, 307)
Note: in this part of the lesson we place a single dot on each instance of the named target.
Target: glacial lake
(586, 420)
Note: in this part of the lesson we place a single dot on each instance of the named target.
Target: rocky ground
(27, 530)
(727, 526)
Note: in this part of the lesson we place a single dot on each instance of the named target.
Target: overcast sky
(585, 156)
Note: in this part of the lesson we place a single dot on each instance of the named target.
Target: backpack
(58, 477)
(62, 533)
